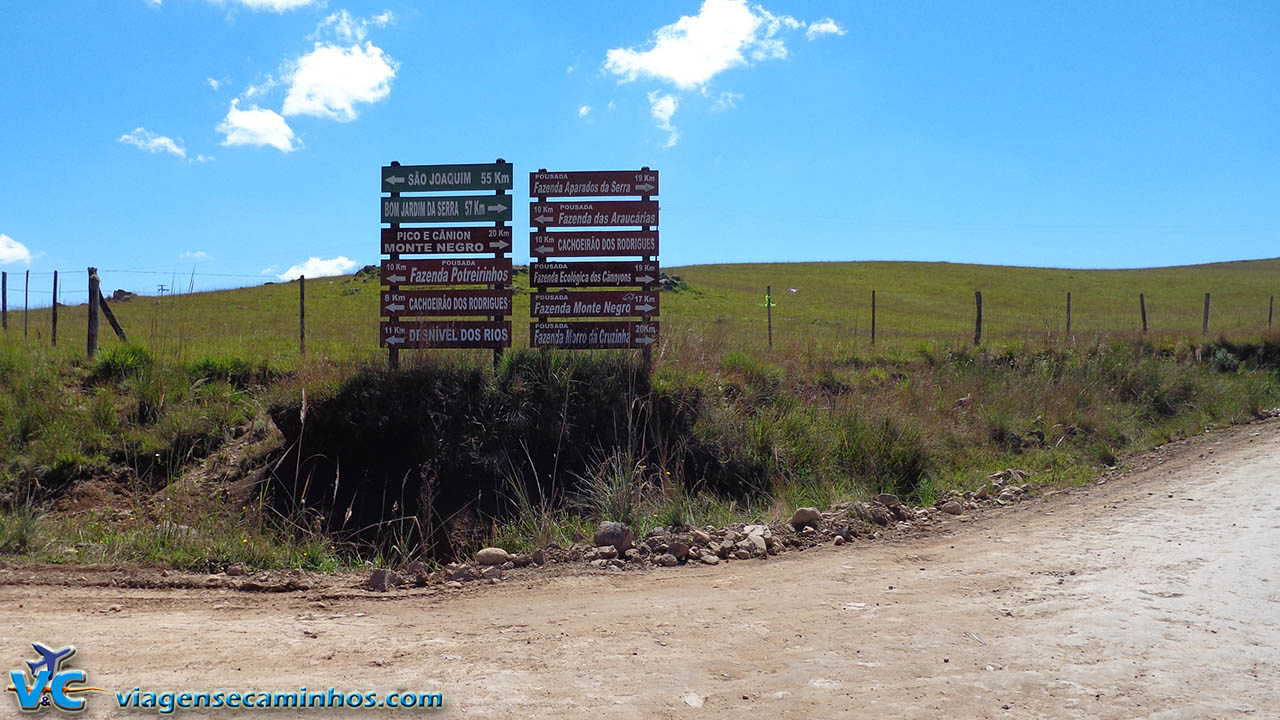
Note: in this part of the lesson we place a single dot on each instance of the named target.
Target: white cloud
(584, 111)
(260, 88)
(826, 26)
(278, 6)
(12, 251)
(662, 107)
(316, 267)
(154, 3)
(349, 29)
(267, 270)
(215, 84)
(144, 139)
(611, 105)
(330, 80)
(194, 255)
(256, 126)
(725, 100)
(569, 70)
(691, 51)
(202, 158)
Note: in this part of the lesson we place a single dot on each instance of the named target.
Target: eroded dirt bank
(1151, 595)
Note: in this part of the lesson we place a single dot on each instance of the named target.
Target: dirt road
(1153, 595)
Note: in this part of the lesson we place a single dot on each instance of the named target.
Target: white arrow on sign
(500, 244)
(543, 219)
(642, 279)
(645, 307)
(395, 279)
(395, 180)
(544, 249)
(497, 208)
(395, 340)
(645, 186)
(640, 340)
(394, 307)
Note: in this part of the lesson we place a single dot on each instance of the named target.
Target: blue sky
(240, 138)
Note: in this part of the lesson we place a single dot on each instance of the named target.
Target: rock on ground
(616, 534)
(492, 556)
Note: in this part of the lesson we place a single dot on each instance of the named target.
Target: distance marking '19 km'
(593, 243)
(605, 273)
(445, 240)
(593, 183)
(593, 213)
(464, 271)
(446, 178)
(433, 303)
(449, 208)
(599, 335)
(594, 303)
(445, 334)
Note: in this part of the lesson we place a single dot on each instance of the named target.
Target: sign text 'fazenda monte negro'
(594, 303)
(446, 178)
(598, 183)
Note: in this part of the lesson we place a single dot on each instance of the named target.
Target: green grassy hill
(723, 309)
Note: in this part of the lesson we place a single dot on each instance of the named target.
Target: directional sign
(597, 303)
(446, 178)
(593, 243)
(593, 335)
(593, 184)
(445, 334)
(430, 303)
(445, 240)
(592, 213)
(469, 271)
(615, 273)
(450, 208)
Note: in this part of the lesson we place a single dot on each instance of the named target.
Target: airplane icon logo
(50, 659)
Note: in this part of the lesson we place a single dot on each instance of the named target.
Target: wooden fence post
(1204, 328)
(54, 335)
(94, 294)
(302, 315)
(1142, 307)
(768, 308)
(873, 317)
(4, 298)
(977, 328)
(26, 304)
(1068, 312)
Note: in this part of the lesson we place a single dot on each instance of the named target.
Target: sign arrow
(543, 219)
(497, 208)
(639, 341)
(395, 279)
(642, 279)
(397, 340)
(394, 307)
(544, 249)
(500, 244)
(395, 180)
(644, 308)
(645, 186)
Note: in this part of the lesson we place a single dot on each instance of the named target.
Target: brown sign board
(600, 183)
(430, 303)
(594, 303)
(460, 271)
(593, 213)
(445, 240)
(605, 273)
(593, 243)
(593, 335)
(445, 334)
